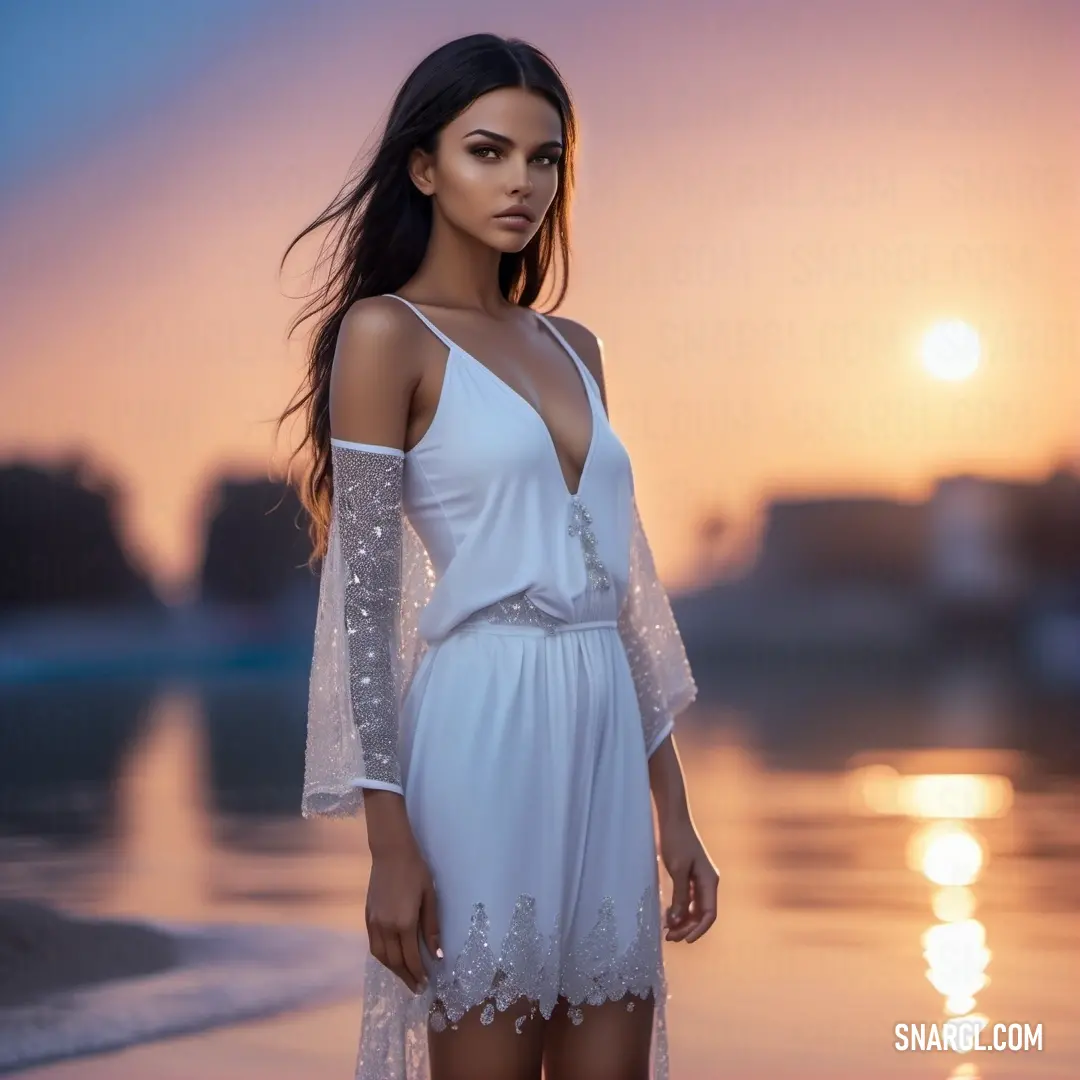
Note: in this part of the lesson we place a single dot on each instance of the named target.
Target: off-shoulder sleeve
(354, 698)
(654, 646)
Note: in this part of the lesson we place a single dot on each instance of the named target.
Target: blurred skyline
(776, 201)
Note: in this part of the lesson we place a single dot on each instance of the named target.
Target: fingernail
(439, 952)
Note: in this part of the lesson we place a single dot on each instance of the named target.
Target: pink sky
(776, 200)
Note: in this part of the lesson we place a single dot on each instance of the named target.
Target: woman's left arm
(693, 875)
(694, 878)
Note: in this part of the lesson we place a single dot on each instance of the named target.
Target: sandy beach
(73, 986)
(44, 952)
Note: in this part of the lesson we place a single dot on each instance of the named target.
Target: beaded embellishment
(368, 490)
(516, 610)
(519, 610)
(581, 525)
(527, 965)
(654, 647)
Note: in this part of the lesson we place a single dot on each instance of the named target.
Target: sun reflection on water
(950, 852)
(966, 1070)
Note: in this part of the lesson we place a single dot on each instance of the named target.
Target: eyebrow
(507, 141)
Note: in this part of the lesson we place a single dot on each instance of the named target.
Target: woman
(496, 667)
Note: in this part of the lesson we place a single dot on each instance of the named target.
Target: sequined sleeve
(375, 581)
(654, 647)
(368, 516)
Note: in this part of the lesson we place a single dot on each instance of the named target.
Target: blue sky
(70, 70)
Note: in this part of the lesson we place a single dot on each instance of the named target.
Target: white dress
(536, 667)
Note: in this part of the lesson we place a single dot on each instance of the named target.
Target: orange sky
(772, 209)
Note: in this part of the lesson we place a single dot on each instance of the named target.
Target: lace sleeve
(355, 678)
(654, 647)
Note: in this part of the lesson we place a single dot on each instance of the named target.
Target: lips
(518, 212)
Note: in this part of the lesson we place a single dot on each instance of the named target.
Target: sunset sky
(777, 199)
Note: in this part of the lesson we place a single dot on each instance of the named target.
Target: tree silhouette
(256, 543)
(59, 543)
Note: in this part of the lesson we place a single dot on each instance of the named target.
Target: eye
(492, 153)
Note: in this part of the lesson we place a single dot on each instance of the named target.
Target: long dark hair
(385, 223)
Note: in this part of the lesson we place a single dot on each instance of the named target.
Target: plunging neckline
(576, 493)
(452, 347)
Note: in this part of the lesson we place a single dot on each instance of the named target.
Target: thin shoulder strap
(425, 320)
(586, 374)
(558, 336)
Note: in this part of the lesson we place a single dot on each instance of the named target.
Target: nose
(520, 182)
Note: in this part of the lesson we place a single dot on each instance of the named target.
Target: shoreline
(72, 986)
(44, 951)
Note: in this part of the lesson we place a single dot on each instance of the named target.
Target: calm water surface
(893, 848)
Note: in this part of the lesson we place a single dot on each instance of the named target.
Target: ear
(422, 171)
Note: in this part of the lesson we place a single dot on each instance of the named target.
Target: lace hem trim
(527, 965)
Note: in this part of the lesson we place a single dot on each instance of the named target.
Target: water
(889, 844)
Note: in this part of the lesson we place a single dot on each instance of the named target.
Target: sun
(951, 350)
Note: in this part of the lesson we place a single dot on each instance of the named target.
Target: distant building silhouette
(997, 540)
(1047, 535)
(59, 542)
(257, 545)
(975, 539)
(976, 561)
(850, 540)
(972, 554)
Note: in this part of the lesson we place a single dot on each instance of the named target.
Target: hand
(401, 904)
(694, 881)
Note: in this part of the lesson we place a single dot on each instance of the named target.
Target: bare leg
(495, 1051)
(610, 1043)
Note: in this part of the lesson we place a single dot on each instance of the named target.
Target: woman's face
(500, 156)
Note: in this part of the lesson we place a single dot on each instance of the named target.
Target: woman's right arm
(372, 381)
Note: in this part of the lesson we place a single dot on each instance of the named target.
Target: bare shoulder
(376, 367)
(587, 345)
(377, 331)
